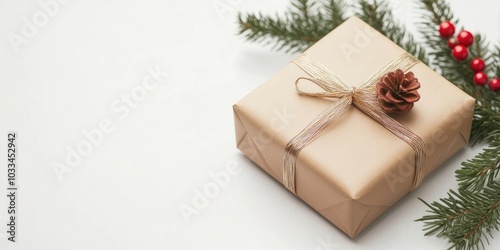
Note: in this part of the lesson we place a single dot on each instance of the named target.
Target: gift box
(315, 127)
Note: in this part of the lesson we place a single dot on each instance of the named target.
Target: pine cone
(397, 91)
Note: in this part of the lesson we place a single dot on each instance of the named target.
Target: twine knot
(363, 97)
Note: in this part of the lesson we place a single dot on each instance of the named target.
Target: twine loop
(363, 97)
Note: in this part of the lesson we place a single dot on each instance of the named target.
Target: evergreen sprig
(465, 218)
(378, 14)
(482, 169)
(302, 25)
(468, 216)
(308, 21)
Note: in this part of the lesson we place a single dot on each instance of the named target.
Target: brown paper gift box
(355, 169)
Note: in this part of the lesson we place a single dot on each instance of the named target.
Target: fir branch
(334, 12)
(302, 25)
(465, 218)
(486, 122)
(496, 61)
(486, 119)
(434, 12)
(378, 14)
(307, 21)
(482, 169)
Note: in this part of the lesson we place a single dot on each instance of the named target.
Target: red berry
(452, 42)
(459, 52)
(446, 29)
(495, 84)
(465, 38)
(480, 78)
(477, 65)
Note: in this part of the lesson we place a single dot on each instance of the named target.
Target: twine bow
(363, 97)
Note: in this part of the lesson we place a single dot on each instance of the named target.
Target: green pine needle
(466, 218)
(482, 169)
(304, 24)
(378, 14)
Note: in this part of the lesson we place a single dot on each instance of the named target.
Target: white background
(126, 193)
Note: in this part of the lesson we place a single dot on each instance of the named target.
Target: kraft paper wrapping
(355, 169)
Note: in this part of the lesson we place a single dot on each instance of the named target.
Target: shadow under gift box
(354, 169)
